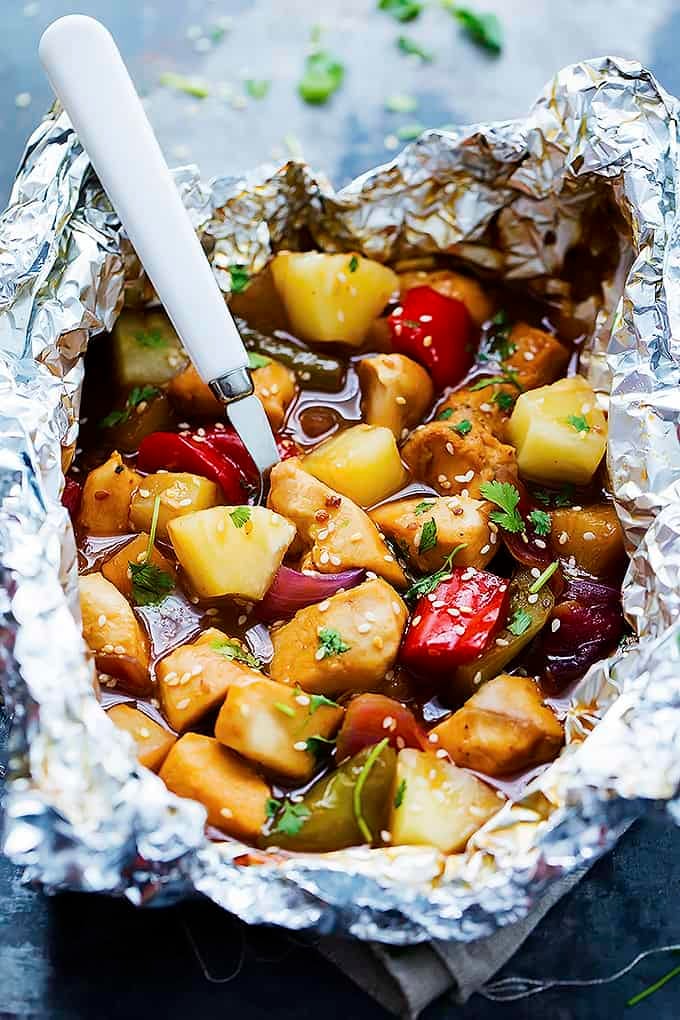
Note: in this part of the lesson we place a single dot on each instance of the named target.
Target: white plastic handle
(89, 77)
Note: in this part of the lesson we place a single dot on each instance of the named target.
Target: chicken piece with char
(458, 464)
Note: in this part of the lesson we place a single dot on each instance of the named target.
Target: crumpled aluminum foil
(595, 164)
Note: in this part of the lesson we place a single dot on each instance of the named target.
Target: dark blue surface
(86, 957)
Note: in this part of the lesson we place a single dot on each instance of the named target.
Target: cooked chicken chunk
(106, 498)
(503, 728)
(593, 536)
(457, 520)
(112, 631)
(452, 285)
(452, 463)
(191, 396)
(538, 358)
(347, 643)
(275, 386)
(395, 391)
(334, 531)
(487, 408)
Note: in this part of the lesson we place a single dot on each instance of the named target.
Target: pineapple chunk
(559, 433)
(105, 505)
(265, 721)
(194, 678)
(112, 631)
(439, 805)
(181, 494)
(232, 792)
(332, 297)
(153, 740)
(117, 568)
(231, 550)
(362, 463)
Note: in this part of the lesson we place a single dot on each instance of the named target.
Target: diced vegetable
(271, 723)
(372, 717)
(346, 643)
(112, 631)
(105, 505)
(535, 357)
(451, 285)
(292, 590)
(396, 391)
(436, 804)
(146, 410)
(322, 371)
(502, 729)
(180, 494)
(337, 534)
(146, 349)
(230, 790)
(362, 463)
(580, 633)
(231, 550)
(456, 622)
(71, 497)
(275, 386)
(559, 433)
(455, 461)
(192, 397)
(346, 808)
(435, 331)
(186, 453)
(526, 615)
(195, 678)
(117, 568)
(427, 529)
(593, 536)
(153, 740)
(327, 299)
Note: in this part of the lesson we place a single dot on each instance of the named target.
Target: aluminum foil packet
(515, 200)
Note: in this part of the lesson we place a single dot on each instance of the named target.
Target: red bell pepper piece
(372, 717)
(436, 331)
(176, 452)
(71, 496)
(456, 622)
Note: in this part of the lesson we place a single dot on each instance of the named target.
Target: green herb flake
(445, 414)
(520, 623)
(359, 785)
(240, 279)
(426, 585)
(544, 578)
(150, 584)
(408, 132)
(413, 49)
(235, 652)
(330, 643)
(318, 745)
(483, 29)
(401, 103)
(151, 338)
(258, 360)
(136, 396)
(646, 992)
(505, 496)
(401, 10)
(559, 499)
(271, 806)
(317, 701)
(424, 507)
(400, 794)
(428, 536)
(541, 521)
(509, 377)
(353, 264)
(504, 400)
(280, 706)
(462, 427)
(240, 516)
(292, 818)
(322, 77)
(257, 88)
(180, 83)
(578, 422)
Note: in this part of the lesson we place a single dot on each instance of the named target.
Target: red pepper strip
(370, 718)
(456, 622)
(70, 497)
(176, 452)
(436, 331)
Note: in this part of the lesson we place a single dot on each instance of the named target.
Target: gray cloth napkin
(407, 979)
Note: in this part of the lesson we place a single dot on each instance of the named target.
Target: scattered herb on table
(322, 77)
(407, 132)
(257, 88)
(505, 496)
(423, 507)
(646, 992)
(288, 710)
(180, 83)
(318, 745)
(318, 700)
(509, 377)
(413, 49)
(272, 805)
(504, 400)
(445, 414)
(401, 103)
(401, 10)
(353, 264)
(258, 360)
(483, 29)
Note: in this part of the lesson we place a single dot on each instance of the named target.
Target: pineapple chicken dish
(381, 652)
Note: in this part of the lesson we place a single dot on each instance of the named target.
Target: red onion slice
(292, 590)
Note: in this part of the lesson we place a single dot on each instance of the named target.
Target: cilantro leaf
(401, 10)
(401, 103)
(317, 700)
(541, 521)
(318, 745)
(462, 427)
(399, 795)
(240, 278)
(150, 584)
(258, 360)
(505, 496)
(428, 536)
(272, 805)
(330, 643)
(445, 414)
(114, 418)
(427, 584)
(151, 338)
(257, 88)
(578, 422)
(136, 396)
(322, 77)
(240, 516)
(520, 622)
(373, 756)
(504, 400)
(509, 376)
(413, 49)
(483, 29)
(234, 651)
(423, 507)
(291, 819)
(408, 132)
(562, 498)
(353, 264)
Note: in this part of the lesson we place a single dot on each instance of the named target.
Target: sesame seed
(139, 558)
(441, 478)
(341, 315)
(453, 611)
(185, 678)
(441, 753)
(400, 400)
(101, 619)
(324, 557)
(302, 699)
(467, 477)
(528, 356)
(119, 649)
(450, 449)
(415, 621)
(300, 745)
(388, 558)
(427, 341)
(335, 559)
(197, 670)
(364, 628)
(386, 835)
(532, 599)
(184, 703)
(143, 732)
(540, 543)
(242, 619)
(212, 611)
(396, 609)
(186, 501)
(319, 654)
(484, 550)
(378, 642)
(502, 642)
(445, 485)
(467, 610)
(477, 679)
(426, 318)
(535, 572)
(371, 575)
(433, 738)
(323, 534)
(555, 625)
(323, 606)
(577, 508)
(107, 649)
(432, 774)
(370, 617)
(563, 538)
(144, 493)
(401, 743)
(493, 538)
(398, 311)
(226, 812)
(589, 536)
(389, 723)
(487, 408)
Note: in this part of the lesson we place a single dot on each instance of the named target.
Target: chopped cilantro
(562, 498)
(272, 805)
(423, 507)
(483, 29)
(232, 650)
(578, 422)
(150, 584)
(239, 279)
(520, 622)
(330, 643)
(399, 795)
(407, 132)
(505, 496)
(258, 360)
(136, 396)
(291, 819)
(401, 10)
(401, 103)
(544, 578)
(152, 338)
(280, 706)
(413, 49)
(373, 756)
(428, 536)
(182, 84)
(541, 522)
(322, 77)
(240, 516)
(462, 427)
(318, 745)
(318, 700)
(445, 414)
(509, 377)
(257, 88)
(646, 992)
(427, 584)
(353, 264)
(504, 400)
